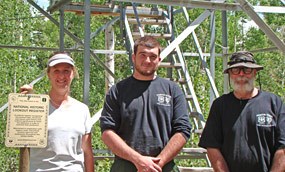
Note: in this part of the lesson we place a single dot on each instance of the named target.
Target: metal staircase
(176, 69)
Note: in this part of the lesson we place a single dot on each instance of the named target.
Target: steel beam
(86, 60)
(248, 9)
(209, 5)
(268, 9)
(184, 34)
(61, 30)
(225, 49)
(202, 57)
(190, 4)
(116, 11)
(213, 90)
(65, 49)
(72, 36)
(110, 58)
(57, 5)
(41, 76)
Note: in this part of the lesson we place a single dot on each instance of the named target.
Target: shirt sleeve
(280, 124)
(110, 116)
(181, 116)
(212, 133)
(88, 123)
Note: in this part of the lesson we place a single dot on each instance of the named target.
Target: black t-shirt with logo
(248, 132)
(145, 114)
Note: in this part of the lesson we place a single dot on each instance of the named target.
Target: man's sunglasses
(245, 70)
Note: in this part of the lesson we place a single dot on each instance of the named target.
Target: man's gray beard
(245, 88)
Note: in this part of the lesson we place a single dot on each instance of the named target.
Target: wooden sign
(27, 120)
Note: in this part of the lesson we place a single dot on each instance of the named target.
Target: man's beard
(246, 87)
(146, 72)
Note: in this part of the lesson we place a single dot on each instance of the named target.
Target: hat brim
(248, 65)
(55, 62)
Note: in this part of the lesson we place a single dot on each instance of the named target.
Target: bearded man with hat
(245, 130)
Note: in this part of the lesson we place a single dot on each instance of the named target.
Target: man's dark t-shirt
(146, 114)
(247, 132)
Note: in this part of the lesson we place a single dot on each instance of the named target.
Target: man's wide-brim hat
(242, 59)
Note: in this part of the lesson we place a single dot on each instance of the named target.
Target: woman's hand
(26, 89)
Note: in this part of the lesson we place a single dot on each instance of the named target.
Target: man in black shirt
(245, 130)
(145, 121)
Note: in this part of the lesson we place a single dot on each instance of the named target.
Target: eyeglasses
(237, 70)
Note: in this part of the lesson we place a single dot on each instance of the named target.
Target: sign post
(27, 124)
(24, 160)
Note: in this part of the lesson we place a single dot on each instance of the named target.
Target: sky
(43, 3)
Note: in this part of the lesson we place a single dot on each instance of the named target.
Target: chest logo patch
(264, 120)
(163, 99)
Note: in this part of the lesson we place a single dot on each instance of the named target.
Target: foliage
(24, 26)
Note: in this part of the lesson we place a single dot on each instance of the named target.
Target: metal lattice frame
(212, 5)
(87, 9)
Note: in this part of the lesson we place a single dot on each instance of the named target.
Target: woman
(69, 129)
